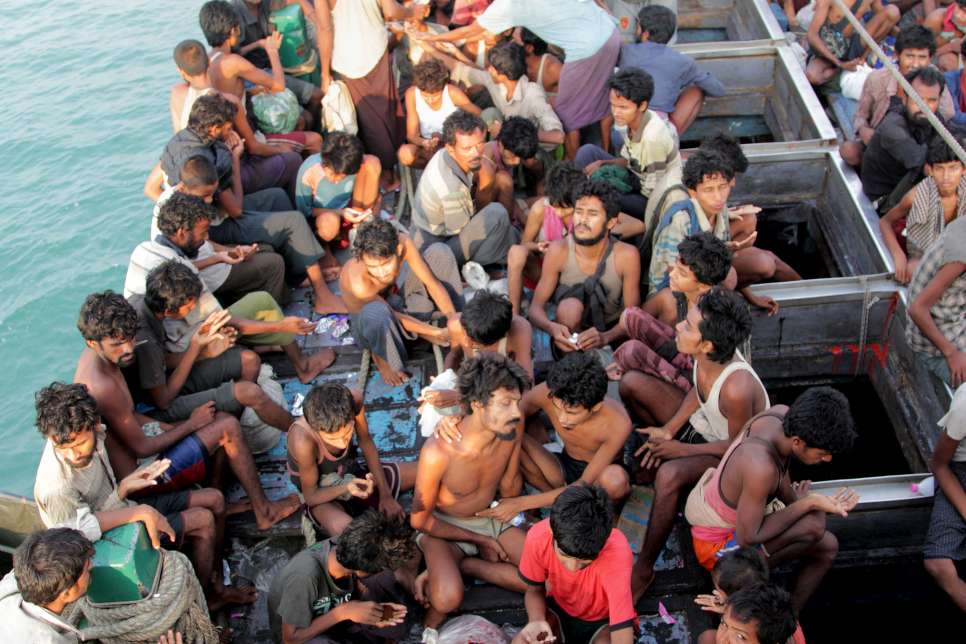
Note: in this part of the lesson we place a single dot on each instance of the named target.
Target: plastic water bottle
(925, 487)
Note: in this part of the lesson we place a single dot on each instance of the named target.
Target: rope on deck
(177, 604)
(903, 83)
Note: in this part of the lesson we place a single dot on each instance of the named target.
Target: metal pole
(903, 83)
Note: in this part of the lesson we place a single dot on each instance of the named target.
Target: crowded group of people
(539, 147)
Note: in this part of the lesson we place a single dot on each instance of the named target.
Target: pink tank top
(553, 225)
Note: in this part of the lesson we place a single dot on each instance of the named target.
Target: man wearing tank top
(590, 277)
(725, 395)
(750, 500)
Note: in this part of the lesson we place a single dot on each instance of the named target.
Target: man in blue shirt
(679, 86)
(955, 81)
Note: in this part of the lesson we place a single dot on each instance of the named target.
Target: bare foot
(230, 595)
(389, 375)
(312, 365)
(275, 511)
(641, 579)
(329, 302)
(239, 507)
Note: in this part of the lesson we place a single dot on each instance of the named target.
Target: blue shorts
(189, 465)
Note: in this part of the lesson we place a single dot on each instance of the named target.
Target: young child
(323, 461)
(543, 68)
(516, 156)
(578, 571)
(430, 99)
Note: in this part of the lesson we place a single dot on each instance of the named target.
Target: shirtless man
(835, 45)
(457, 481)
(754, 472)
(570, 264)
(384, 262)
(109, 324)
(323, 464)
(229, 71)
(487, 323)
(593, 430)
(727, 393)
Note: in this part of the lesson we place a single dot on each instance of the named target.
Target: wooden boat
(720, 20)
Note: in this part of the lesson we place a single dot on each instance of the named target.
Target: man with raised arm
(455, 482)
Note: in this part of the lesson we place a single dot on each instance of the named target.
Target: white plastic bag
(338, 112)
(260, 436)
(852, 82)
(471, 629)
(430, 416)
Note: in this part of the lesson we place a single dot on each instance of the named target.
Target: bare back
(107, 385)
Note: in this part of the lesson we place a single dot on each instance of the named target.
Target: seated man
(937, 295)
(588, 276)
(349, 590)
(512, 93)
(679, 86)
(733, 504)
(324, 464)
(835, 46)
(915, 47)
(947, 23)
(109, 324)
(543, 68)
(384, 261)
(454, 199)
(233, 271)
(650, 144)
(210, 370)
(51, 571)
(892, 162)
(516, 155)
(183, 221)
(430, 99)
(762, 614)
(454, 482)
(487, 323)
(549, 219)
(339, 187)
(576, 568)
(946, 539)
(592, 428)
(75, 487)
(691, 431)
(651, 351)
(954, 88)
(925, 211)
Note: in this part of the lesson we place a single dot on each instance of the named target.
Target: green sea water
(83, 118)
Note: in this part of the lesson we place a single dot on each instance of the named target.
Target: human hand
(208, 331)
(202, 415)
(441, 398)
(763, 302)
(227, 257)
(297, 325)
(355, 216)
(737, 212)
(448, 429)
(593, 167)
(614, 372)
(662, 433)
(505, 510)
(801, 489)
(747, 242)
(170, 638)
(957, 368)
(371, 613)
(844, 500)
(142, 478)
(235, 145)
(223, 341)
(590, 339)
(713, 603)
(850, 65)
(390, 506)
(491, 550)
(535, 632)
(561, 337)
(156, 525)
(665, 450)
(272, 42)
(903, 274)
(419, 588)
(361, 488)
(245, 251)
(538, 247)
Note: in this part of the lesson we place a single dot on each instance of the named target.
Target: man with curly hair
(350, 589)
(589, 277)
(749, 499)
(392, 290)
(456, 482)
(195, 447)
(592, 428)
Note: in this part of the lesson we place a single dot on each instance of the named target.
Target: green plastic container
(298, 55)
(125, 567)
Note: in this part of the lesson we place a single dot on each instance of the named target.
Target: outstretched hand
(142, 478)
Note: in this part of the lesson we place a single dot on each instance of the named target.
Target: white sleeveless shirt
(708, 419)
(430, 120)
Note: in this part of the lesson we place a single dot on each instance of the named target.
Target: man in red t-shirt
(579, 573)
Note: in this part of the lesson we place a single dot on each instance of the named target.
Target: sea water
(83, 118)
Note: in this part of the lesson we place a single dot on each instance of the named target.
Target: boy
(576, 567)
(679, 86)
(323, 464)
(350, 590)
(517, 157)
(945, 543)
(760, 614)
(834, 45)
(487, 323)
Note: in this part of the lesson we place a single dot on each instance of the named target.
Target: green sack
(297, 52)
(276, 113)
(617, 176)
